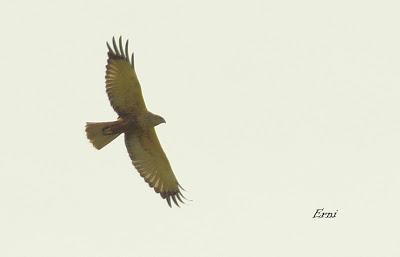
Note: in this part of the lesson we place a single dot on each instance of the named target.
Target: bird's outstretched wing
(151, 162)
(122, 85)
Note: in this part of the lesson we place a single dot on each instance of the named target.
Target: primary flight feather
(136, 122)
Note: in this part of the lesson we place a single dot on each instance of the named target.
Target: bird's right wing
(150, 160)
(122, 84)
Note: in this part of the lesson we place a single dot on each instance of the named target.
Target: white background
(273, 109)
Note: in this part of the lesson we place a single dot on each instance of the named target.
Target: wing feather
(152, 164)
(122, 85)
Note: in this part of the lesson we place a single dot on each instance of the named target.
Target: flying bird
(136, 123)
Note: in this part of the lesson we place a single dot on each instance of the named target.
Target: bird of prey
(136, 122)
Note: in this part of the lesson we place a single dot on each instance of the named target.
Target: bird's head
(156, 120)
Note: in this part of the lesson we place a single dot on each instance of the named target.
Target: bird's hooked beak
(156, 119)
(160, 120)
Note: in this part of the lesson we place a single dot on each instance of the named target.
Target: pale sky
(274, 109)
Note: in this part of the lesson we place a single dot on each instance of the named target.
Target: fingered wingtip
(126, 50)
(121, 49)
(115, 46)
(117, 50)
(169, 201)
(175, 201)
(177, 198)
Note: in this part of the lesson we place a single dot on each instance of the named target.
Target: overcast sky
(274, 109)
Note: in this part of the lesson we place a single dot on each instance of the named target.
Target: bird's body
(136, 122)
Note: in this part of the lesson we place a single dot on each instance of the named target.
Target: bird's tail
(100, 134)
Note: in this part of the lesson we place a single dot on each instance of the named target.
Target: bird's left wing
(152, 164)
(122, 85)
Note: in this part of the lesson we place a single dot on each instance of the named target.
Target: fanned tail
(100, 134)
